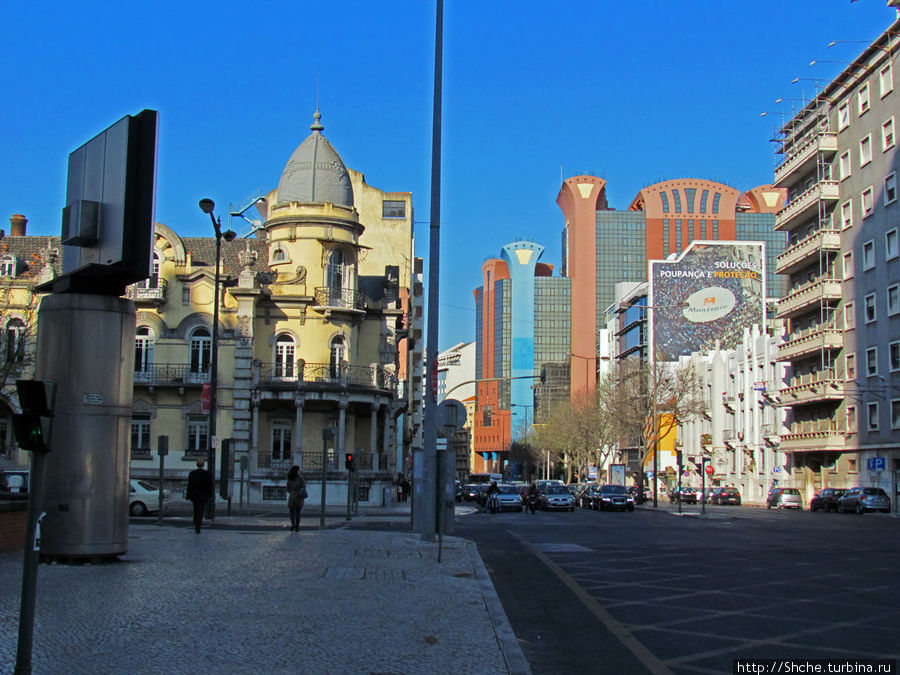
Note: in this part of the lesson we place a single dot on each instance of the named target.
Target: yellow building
(314, 319)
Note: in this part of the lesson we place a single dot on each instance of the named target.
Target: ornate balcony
(149, 292)
(804, 252)
(803, 206)
(809, 342)
(803, 158)
(301, 375)
(330, 299)
(804, 298)
(171, 374)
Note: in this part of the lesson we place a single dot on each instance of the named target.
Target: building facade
(838, 160)
(603, 246)
(521, 323)
(315, 316)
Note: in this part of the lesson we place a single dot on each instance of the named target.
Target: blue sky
(633, 92)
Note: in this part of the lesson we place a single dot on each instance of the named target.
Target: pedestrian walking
(296, 490)
(406, 487)
(199, 491)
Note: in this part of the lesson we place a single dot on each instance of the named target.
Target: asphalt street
(653, 591)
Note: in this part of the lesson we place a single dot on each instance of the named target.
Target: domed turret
(315, 172)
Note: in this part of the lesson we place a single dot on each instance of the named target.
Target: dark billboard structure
(705, 298)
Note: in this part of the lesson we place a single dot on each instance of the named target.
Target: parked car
(144, 497)
(784, 498)
(685, 495)
(826, 499)
(14, 481)
(555, 497)
(458, 491)
(726, 495)
(862, 499)
(707, 495)
(615, 497)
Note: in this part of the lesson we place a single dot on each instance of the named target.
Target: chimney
(17, 225)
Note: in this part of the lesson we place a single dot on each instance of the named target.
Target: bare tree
(644, 405)
(577, 433)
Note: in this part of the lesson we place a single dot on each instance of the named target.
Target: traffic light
(349, 462)
(33, 425)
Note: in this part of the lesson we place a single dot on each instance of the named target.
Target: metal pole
(214, 378)
(327, 434)
(655, 438)
(162, 449)
(30, 565)
(429, 476)
(703, 485)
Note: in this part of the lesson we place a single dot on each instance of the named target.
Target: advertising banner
(706, 297)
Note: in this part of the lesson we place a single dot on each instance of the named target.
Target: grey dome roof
(315, 172)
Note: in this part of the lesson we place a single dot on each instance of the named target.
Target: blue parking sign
(876, 464)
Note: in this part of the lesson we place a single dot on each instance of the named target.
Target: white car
(144, 497)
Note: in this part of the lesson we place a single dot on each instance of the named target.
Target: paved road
(654, 592)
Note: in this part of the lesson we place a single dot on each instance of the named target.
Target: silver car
(862, 499)
(784, 498)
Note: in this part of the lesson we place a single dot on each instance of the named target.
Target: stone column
(254, 430)
(373, 435)
(342, 422)
(299, 402)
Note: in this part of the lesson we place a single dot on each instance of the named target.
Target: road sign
(876, 463)
(710, 470)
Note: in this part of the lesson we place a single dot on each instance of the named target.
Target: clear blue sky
(635, 92)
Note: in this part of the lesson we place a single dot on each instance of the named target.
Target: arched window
(8, 266)
(153, 280)
(15, 340)
(335, 270)
(337, 357)
(143, 352)
(201, 350)
(285, 351)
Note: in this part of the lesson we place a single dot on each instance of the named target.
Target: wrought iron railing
(342, 298)
(152, 290)
(171, 373)
(312, 461)
(341, 374)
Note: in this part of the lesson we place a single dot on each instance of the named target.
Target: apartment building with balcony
(838, 161)
(317, 324)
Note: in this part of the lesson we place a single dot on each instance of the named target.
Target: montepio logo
(709, 304)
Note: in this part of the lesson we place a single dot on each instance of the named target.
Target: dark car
(685, 495)
(727, 495)
(470, 493)
(826, 499)
(615, 497)
(862, 499)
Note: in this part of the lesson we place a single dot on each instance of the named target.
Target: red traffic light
(349, 462)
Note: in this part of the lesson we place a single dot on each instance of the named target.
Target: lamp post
(207, 206)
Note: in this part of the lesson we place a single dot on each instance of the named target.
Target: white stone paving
(275, 601)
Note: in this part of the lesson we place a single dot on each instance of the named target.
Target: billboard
(705, 298)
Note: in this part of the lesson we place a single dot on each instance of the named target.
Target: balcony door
(285, 356)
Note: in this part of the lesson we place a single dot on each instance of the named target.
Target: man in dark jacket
(199, 491)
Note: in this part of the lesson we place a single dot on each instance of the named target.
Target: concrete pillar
(86, 345)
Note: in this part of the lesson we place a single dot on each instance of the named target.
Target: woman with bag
(296, 489)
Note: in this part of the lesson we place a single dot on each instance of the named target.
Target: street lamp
(207, 205)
